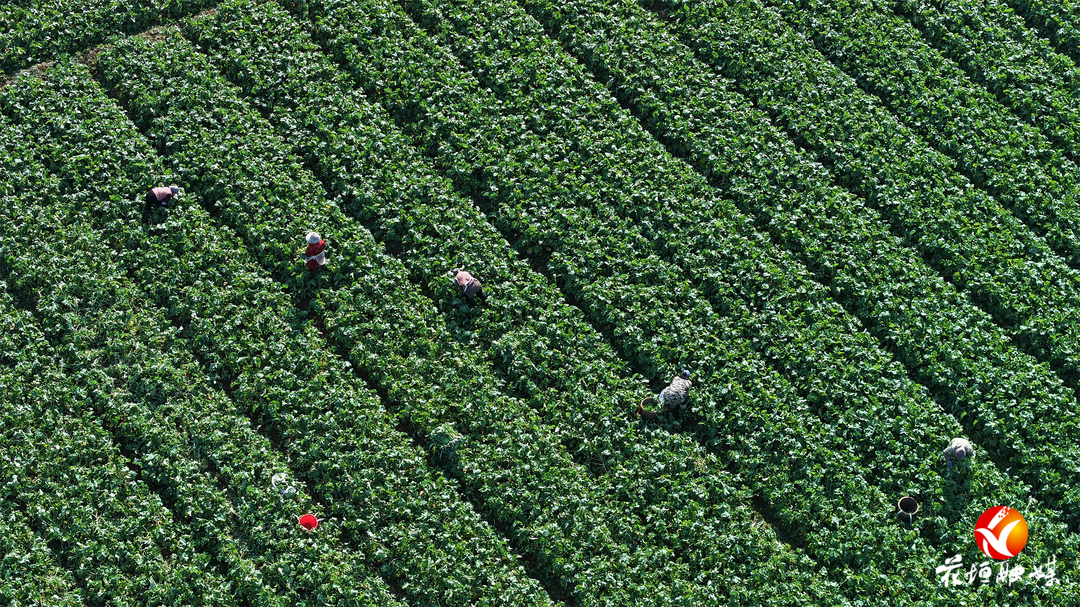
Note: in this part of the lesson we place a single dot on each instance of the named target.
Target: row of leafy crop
(890, 289)
(681, 509)
(101, 517)
(933, 96)
(825, 364)
(1056, 20)
(503, 455)
(375, 489)
(185, 436)
(30, 572)
(35, 32)
(648, 310)
(996, 49)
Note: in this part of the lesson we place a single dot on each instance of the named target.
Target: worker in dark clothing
(469, 285)
(315, 254)
(677, 394)
(158, 198)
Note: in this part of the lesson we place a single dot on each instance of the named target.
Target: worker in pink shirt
(158, 198)
(468, 284)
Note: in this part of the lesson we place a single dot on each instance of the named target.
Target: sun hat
(312, 238)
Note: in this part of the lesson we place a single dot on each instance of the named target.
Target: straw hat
(312, 238)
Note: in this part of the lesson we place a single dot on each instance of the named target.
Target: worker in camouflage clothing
(677, 394)
(958, 450)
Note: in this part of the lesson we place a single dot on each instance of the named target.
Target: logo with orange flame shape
(1001, 533)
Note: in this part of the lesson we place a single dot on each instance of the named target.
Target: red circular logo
(1001, 533)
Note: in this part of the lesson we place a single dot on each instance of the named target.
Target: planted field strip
(31, 32)
(206, 460)
(1028, 292)
(810, 342)
(1056, 20)
(495, 443)
(996, 49)
(370, 483)
(584, 399)
(930, 94)
(764, 426)
(29, 573)
(893, 293)
(79, 491)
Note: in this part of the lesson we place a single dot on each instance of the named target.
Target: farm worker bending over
(957, 450)
(315, 254)
(470, 287)
(157, 198)
(678, 391)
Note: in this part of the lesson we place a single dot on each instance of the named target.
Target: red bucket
(309, 522)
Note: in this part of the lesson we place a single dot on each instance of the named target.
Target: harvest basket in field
(645, 413)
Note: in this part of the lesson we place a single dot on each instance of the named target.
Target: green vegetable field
(855, 222)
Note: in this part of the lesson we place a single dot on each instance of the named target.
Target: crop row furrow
(380, 184)
(492, 442)
(1011, 160)
(184, 434)
(648, 310)
(32, 32)
(896, 296)
(996, 49)
(1056, 20)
